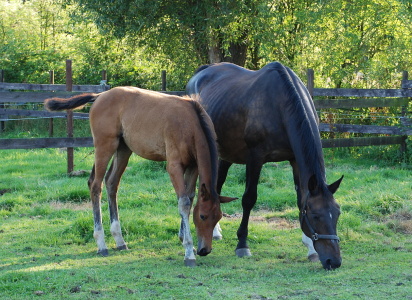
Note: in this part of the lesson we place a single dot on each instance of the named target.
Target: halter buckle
(315, 237)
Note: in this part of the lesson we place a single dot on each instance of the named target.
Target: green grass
(47, 249)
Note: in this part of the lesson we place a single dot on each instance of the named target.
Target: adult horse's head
(206, 214)
(318, 216)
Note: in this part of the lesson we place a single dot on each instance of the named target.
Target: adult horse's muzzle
(329, 253)
(331, 263)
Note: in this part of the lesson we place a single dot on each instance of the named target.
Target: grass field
(47, 249)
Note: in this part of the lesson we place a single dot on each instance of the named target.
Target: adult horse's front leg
(221, 178)
(253, 167)
(312, 254)
(176, 174)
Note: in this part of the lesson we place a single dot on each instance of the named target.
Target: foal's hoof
(217, 237)
(124, 247)
(190, 263)
(242, 252)
(103, 252)
(314, 257)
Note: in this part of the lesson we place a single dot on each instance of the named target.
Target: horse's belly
(148, 149)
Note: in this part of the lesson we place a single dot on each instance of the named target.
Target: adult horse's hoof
(124, 247)
(314, 257)
(242, 252)
(190, 263)
(103, 252)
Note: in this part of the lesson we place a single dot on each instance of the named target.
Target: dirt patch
(274, 222)
(70, 205)
(401, 222)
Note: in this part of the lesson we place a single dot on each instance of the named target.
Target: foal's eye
(203, 217)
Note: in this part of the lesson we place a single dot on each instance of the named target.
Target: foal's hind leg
(112, 179)
(103, 153)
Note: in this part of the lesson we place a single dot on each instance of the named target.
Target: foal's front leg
(184, 209)
(176, 174)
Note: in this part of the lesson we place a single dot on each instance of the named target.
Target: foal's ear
(204, 193)
(224, 199)
(334, 186)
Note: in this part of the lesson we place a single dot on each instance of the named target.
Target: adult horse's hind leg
(222, 174)
(112, 179)
(253, 168)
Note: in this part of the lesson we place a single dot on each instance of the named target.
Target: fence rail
(370, 98)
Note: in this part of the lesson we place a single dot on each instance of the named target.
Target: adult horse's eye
(316, 217)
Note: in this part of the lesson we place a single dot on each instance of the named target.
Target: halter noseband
(315, 236)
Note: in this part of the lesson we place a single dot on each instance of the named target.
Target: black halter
(314, 236)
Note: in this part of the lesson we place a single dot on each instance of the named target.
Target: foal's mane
(211, 141)
(303, 130)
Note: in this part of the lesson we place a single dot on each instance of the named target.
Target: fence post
(311, 81)
(51, 81)
(163, 80)
(2, 123)
(69, 88)
(403, 115)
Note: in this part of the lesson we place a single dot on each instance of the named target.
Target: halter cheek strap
(314, 236)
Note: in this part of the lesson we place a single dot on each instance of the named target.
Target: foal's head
(319, 215)
(206, 214)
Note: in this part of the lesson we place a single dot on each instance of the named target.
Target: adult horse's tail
(69, 103)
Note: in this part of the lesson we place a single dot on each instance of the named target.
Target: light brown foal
(157, 127)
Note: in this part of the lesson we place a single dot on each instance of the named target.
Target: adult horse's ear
(224, 199)
(334, 186)
(313, 186)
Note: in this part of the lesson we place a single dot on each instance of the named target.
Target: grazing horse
(268, 116)
(158, 127)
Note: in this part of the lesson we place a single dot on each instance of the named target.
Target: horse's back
(248, 109)
(149, 122)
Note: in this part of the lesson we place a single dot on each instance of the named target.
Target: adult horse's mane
(303, 129)
(211, 141)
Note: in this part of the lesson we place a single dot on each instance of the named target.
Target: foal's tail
(69, 103)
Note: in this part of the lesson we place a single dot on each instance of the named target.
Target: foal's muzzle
(203, 252)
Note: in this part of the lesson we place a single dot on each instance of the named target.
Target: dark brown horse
(158, 127)
(268, 116)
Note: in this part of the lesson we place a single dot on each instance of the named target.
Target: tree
(218, 30)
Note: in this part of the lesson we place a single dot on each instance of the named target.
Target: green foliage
(364, 44)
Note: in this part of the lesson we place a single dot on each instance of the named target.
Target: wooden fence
(366, 98)
(342, 99)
